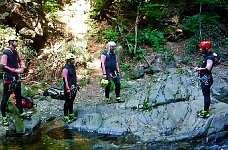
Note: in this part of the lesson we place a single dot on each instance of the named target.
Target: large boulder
(157, 109)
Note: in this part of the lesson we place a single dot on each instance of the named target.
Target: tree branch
(136, 31)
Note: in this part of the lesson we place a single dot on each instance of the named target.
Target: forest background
(142, 28)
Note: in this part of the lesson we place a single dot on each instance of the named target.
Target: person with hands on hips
(110, 69)
(12, 65)
(206, 78)
(70, 87)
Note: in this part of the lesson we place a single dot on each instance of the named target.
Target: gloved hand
(68, 90)
(78, 87)
(104, 76)
(108, 78)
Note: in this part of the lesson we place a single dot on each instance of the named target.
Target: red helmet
(23, 103)
(29, 105)
(206, 44)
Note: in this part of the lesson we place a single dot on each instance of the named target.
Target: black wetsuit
(111, 69)
(206, 80)
(69, 97)
(11, 82)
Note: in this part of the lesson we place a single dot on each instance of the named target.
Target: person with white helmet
(206, 78)
(70, 87)
(110, 69)
(12, 65)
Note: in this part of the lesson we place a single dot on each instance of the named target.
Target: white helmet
(12, 38)
(111, 43)
(70, 56)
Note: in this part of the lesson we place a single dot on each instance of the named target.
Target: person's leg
(66, 104)
(6, 95)
(71, 103)
(206, 93)
(117, 86)
(207, 100)
(17, 92)
(107, 89)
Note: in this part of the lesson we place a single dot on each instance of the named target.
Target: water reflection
(54, 136)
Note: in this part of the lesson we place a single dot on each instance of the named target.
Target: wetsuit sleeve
(103, 58)
(209, 65)
(4, 62)
(64, 75)
(211, 58)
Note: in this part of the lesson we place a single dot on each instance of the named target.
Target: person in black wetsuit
(70, 87)
(12, 65)
(206, 78)
(110, 69)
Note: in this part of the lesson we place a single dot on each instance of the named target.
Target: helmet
(104, 82)
(12, 38)
(206, 44)
(111, 43)
(29, 105)
(23, 102)
(70, 56)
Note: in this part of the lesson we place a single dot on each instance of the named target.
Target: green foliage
(146, 106)
(43, 84)
(153, 10)
(125, 67)
(111, 34)
(212, 2)
(186, 59)
(192, 22)
(84, 81)
(5, 33)
(28, 53)
(152, 38)
(80, 51)
(51, 5)
(211, 29)
(155, 38)
(97, 7)
(124, 83)
(138, 53)
(54, 15)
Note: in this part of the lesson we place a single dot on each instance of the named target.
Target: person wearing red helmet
(206, 78)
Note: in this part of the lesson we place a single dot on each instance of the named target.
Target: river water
(49, 138)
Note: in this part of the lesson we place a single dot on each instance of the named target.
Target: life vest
(208, 56)
(71, 78)
(110, 62)
(12, 61)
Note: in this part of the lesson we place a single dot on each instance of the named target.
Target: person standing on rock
(70, 87)
(12, 65)
(110, 69)
(205, 75)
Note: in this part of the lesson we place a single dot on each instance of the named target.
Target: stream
(59, 138)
